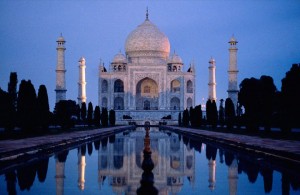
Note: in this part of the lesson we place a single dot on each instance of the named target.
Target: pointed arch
(118, 86)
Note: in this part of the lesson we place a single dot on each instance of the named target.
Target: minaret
(60, 70)
(81, 170)
(81, 83)
(232, 72)
(233, 177)
(212, 95)
(212, 174)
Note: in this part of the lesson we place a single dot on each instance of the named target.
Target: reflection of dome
(147, 40)
(119, 58)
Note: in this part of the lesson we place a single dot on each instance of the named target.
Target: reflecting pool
(162, 162)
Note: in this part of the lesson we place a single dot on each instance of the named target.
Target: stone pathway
(11, 149)
(284, 149)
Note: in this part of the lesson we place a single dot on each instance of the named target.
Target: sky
(268, 35)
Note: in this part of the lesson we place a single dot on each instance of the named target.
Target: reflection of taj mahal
(146, 83)
(120, 162)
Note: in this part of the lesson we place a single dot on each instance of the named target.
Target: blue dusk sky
(268, 35)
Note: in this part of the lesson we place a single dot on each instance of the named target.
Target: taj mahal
(147, 83)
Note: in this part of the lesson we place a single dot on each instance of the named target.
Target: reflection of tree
(211, 152)
(90, 148)
(228, 158)
(289, 180)
(83, 149)
(250, 168)
(42, 168)
(104, 142)
(26, 176)
(97, 144)
(62, 156)
(267, 174)
(197, 145)
(11, 179)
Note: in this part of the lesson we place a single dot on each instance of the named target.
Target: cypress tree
(221, 113)
(90, 114)
(186, 118)
(229, 113)
(5, 110)
(27, 107)
(43, 107)
(290, 104)
(198, 116)
(214, 114)
(12, 107)
(83, 112)
(112, 117)
(179, 119)
(104, 117)
(97, 116)
(192, 117)
(64, 110)
(208, 112)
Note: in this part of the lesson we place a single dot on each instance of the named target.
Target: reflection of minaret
(212, 174)
(233, 177)
(59, 176)
(232, 72)
(81, 170)
(212, 95)
(81, 83)
(60, 70)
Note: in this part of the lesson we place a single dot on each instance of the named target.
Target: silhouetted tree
(214, 114)
(43, 107)
(249, 97)
(97, 116)
(78, 113)
(229, 113)
(104, 117)
(193, 117)
(185, 118)
(12, 92)
(83, 112)
(112, 117)
(198, 116)
(64, 110)
(6, 110)
(90, 114)
(221, 113)
(27, 107)
(208, 112)
(267, 98)
(290, 104)
(179, 119)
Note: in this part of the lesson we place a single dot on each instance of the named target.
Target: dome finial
(147, 14)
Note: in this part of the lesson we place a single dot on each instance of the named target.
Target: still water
(181, 165)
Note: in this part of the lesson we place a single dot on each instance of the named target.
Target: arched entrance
(147, 94)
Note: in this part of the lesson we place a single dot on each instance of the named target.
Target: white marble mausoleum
(146, 83)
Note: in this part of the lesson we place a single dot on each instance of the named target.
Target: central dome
(147, 41)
